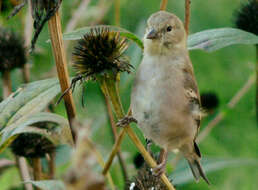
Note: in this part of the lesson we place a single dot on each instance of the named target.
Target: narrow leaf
(78, 34)
(211, 40)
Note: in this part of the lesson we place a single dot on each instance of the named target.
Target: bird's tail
(197, 170)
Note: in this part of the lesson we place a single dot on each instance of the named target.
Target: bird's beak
(152, 34)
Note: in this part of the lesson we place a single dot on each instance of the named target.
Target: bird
(165, 99)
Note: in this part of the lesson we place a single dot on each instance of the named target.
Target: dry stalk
(117, 12)
(187, 15)
(163, 5)
(24, 172)
(37, 170)
(56, 36)
(113, 94)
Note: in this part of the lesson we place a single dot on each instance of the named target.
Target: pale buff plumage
(165, 98)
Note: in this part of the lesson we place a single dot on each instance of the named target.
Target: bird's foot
(126, 121)
(159, 170)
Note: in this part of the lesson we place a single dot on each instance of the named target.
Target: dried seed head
(33, 145)
(146, 180)
(12, 51)
(100, 53)
(247, 17)
(209, 101)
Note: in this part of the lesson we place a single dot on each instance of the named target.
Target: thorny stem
(55, 29)
(117, 12)
(114, 136)
(232, 103)
(115, 99)
(187, 15)
(163, 5)
(37, 170)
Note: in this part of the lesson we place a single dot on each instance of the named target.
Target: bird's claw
(159, 170)
(126, 121)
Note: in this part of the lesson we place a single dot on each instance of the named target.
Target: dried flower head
(42, 11)
(247, 17)
(145, 180)
(100, 53)
(209, 101)
(33, 145)
(12, 51)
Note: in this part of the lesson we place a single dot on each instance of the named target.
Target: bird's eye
(169, 28)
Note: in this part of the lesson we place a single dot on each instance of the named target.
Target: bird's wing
(192, 94)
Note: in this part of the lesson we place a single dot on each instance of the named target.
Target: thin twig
(236, 98)
(55, 29)
(187, 15)
(114, 136)
(163, 5)
(37, 170)
(115, 99)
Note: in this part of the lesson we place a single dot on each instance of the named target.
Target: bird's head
(164, 32)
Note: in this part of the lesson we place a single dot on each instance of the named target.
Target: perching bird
(165, 99)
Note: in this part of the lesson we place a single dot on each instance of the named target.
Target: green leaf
(27, 100)
(78, 33)
(211, 40)
(48, 184)
(58, 135)
(182, 174)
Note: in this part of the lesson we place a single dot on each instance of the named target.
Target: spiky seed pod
(247, 17)
(33, 145)
(145, 180)
(100, 53)
(209, 101)
(12, 51)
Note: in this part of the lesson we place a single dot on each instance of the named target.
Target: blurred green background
(223, 72)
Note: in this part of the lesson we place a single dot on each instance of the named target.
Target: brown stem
(236, 98)
(117, 12)
(187, 15)
(37, 170)
(256, 100)
(115, 99)
(163, 5)
(56, 36)
(114, 136)
(26, 73)
(24, 172)
(7, 84)
(51, 165)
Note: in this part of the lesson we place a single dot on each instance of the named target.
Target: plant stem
(187, 15)
(55, 30)
(24, 172)
(7, 84)
(51, 165)
(256, 100)
(235, 99)
(117, 12)
(37, 170)
(115, 99)
(114, 136)
(163, 5)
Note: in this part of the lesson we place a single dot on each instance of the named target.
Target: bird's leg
(160, 169)
(126, 121)
(148, 145)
